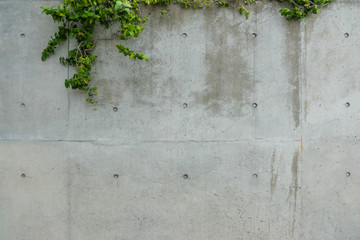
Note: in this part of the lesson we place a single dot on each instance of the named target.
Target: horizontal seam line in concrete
(111, 142)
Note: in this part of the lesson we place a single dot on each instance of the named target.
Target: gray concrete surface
(186, 155)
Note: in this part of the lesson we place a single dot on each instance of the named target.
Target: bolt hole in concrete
(22, 35)
(22, 105)
(184, 35)
(23, 175)
(347, 174)
(347, 104)
(116, 175)
(254, 35)
(185, 176)
(185, 105)
(254, 175)
(115, 109)
(254, 105)
(346, 35)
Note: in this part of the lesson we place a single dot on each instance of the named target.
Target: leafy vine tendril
(79, 17)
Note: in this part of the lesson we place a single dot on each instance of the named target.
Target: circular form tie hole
(116, 175)
(347, 174)
(23, 175)
(346, 35)
(22, 105)
(185, 105)
(184, 35)
(347, 104)
(254, 175)
(185, 176)
(254, 35)
(254, 105)
(115, 109)
(22, 35)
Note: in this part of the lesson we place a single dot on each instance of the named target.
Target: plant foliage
(78, 18)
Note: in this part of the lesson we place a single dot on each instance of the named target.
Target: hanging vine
(79, 17)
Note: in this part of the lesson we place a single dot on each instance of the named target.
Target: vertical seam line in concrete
(301, 113)
(254, 73)
(68, 76)
(301, 77)
(255, 147)
(302, 86)
(68, 191)
(67, 153)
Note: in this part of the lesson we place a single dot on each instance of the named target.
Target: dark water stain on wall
(292, 61)
(228, 58)
(274, 176)
(293, 191)
(145, 83)
(294, 172)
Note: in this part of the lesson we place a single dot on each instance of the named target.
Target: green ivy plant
(78, 18)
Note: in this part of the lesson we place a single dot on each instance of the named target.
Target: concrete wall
(186, 156)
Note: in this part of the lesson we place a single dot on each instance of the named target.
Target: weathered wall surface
(186, 154)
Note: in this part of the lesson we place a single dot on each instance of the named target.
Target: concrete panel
(230, 190)
(33, 191)
(332, 103)
(330, 190)
(196, 85)
(277, 74)
(33, 100)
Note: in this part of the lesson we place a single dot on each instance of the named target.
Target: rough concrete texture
(186, 154)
